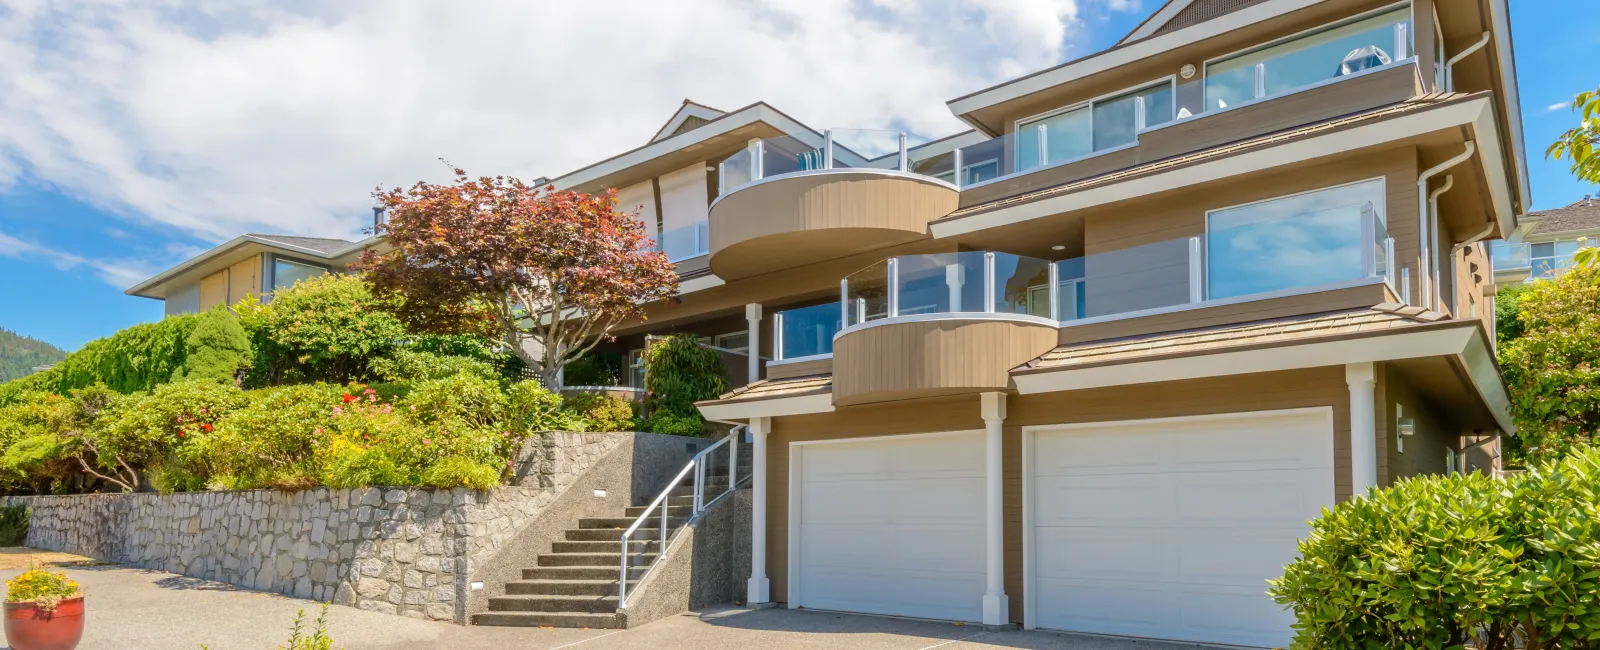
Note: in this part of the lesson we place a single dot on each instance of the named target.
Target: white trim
(1118, 57)
(242, 240)
(1160, 19)
(838, 171)
(1500, 19)
(1267, 158)
(686, 111)
(804, 359)
(1234, 300)
(796, 454)
(1491, 156)
(1005, 317)
(775, 407)
(1029, 545)
(699, 284)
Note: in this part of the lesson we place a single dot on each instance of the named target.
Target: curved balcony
(786, 202)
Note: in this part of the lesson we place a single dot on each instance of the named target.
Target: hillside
(19, 354)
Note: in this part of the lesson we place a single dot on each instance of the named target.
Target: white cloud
(239, 116)
(117, 273)
(1556, 107)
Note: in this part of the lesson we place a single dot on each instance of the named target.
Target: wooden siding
(801, 369)
(1425, 450)
(1244, 312)
(214, 290)
(808, 218)
(1206, 131)
(1268, 391)
(244, 279)
(927, 358)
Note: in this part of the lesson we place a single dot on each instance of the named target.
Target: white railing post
(1405, 284)
(905, 155)
(622, 580)
(844, 303)
(733, 457)
(1261, 80)
(1044, 145)
(1055, 291)
(758, 161)
(1401, 47)
(1369, 233)
(777, 336)
(958, 176)
(1196, 271)
(1388, 259)
(894, 287)
(699, 486)
(827, 149)
(988, 283)
(1139, 118)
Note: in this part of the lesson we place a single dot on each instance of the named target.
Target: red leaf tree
(549, 274)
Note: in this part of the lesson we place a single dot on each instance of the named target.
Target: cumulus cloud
(247, 115)
(117, 273)
(1556, 107)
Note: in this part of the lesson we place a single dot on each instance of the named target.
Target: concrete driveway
(134, 608)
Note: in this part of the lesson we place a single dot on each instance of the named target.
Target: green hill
(20, 354)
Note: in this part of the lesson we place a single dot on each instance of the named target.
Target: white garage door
(1170, 528)
(890, 526)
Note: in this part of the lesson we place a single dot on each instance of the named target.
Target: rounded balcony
(786, 202)
(941, 324)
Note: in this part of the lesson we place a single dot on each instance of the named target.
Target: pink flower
(317, 430)
(338, 410)
(427, 441)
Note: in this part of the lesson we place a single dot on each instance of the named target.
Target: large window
(285, 273)
(1550, 258)
(1304, 240)
(1301, 61)
(1096, 126)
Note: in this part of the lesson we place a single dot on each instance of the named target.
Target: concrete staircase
(575, 584)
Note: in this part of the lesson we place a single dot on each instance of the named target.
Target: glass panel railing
(1506, 256)
(1126, 280)
(866, 294)
(878, 148)
(1289, 251)
(736, 170)
(940, 283)
(787, 154)
(1338, 51)
(806, 331)
(685, 242)
(1021, 285)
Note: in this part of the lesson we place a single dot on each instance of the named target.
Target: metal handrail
(698, 466)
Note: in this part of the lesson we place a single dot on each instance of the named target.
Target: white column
(1362, 379)
(752, 317)
(996, 607)
(759, 588)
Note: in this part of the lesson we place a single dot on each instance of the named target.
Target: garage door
(1170, 528)
(890, 526)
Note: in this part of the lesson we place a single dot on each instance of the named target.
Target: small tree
(1579, 143)
(1553, 367)
(558, 270)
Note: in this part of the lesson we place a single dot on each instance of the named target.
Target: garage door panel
(937, 457)
(827, 464)
(1233, 557)
(1245, 498)
(1102, 500)
(932, 501)
(1237, 614)
(924, 595)
(1113, 606)
(1105, 553)
(1252, 443)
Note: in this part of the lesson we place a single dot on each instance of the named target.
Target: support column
(752, 317)
(996, 607)
(759, 589)
(1362, 379)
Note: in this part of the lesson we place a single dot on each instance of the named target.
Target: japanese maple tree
(521, 264)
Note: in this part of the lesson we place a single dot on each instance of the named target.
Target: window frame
(1017, 125)
(1205, 237)
(1205, 66)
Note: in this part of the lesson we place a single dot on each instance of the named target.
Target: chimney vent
(379, 217)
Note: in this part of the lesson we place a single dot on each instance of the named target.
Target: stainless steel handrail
(698, 467)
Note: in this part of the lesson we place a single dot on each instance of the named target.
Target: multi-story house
(1542, 245)
(1094, 364)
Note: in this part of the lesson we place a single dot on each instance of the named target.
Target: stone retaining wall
(402, 551)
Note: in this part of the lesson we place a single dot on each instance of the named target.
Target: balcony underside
(898, 360)
(806, 217)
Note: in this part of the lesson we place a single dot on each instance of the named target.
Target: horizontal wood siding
(801, 369)
(921, 359)
(1241, 393)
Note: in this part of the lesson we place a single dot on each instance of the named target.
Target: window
(1096, 126)
(735, 342)
(1297, 241)
(1301, 61)
(1549, 258)
(286, 273)
(636, 368)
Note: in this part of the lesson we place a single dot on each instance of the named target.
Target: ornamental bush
(271, 440)
(681, 373)
(327, 328)
(413, 365)
(602, 412)
(1553, 367)
(217, 348)
(1437, 561)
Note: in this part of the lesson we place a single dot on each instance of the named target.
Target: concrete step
(608, 546)
(612, 560)
(581, 573)
(622, 523)
(675, 510)
(565, 587)
(548, 619)
(555, 604)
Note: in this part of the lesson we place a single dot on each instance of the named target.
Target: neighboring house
(1093, 365)
(249, 265)
(1543, 244)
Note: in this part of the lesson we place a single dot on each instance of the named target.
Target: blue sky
(183, 127)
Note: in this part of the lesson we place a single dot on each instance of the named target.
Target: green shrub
(475, 401)
(1436, 561)
(391, 391)
(1553, 367)
(412, 365)
(162, 428)
(327, 328)
(138, 358)
(14, 525)
(317, 639)
(595, 368)
(674, 425)
(531, 407)
(460, 471)
(682, 372)
(273, 438)
(218, 347)
(602, 412)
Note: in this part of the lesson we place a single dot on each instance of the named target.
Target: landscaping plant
(328, 328)
(44, 589)
(682, 372)
(1553, 368)
(14, 525)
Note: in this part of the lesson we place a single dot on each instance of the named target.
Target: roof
(1199, 11)
(1411, 105)
(689, 116)
(319, 248)
(319, 244)
(773, 388)
(1582, 215)
(1285, 331)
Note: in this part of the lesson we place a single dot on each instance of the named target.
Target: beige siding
(927, 358)
(1424, 452)
(214, 290)
(244, 279)
(801, 369)
(1268, 391)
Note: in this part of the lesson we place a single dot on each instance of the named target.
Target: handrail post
(957, 176)
(622, 581)
(827, 149)
(988, 282)
(758, 162)
(844, 303)
(777, 339)
(733, 458)
(1388, 258)
(894, 287)
(1055, 291)
(666, 506)
(1196, 272)
(905, 155)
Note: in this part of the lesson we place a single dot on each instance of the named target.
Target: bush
(218, 347)
(1435, 561)
(682, 372)
(327, 328)
(411, 365)
(531, 407)
(14, 525)
(138, 358)
(42, 588)
(272, 440)
(602, 412)
(675, 425)
(1553, 367)
(160, 430)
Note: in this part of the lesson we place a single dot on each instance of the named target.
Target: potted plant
(44, 611)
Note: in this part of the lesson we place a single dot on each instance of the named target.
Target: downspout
(1433, 209)
(1449, 67)
(1425, 219)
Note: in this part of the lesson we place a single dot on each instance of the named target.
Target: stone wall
(402, 551)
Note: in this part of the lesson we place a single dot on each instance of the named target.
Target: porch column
(759, 588)
(752, 317)
(995, 604)
(1362, 379)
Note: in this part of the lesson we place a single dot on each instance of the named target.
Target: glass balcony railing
(833, 149)
(972, 282)
(807, 331)
(685, 242)
(1506, 256)
(1303, 61)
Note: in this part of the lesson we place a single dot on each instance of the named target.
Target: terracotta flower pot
(30, 628)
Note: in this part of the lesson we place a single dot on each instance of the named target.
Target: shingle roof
(771, 388)
(1414, 104)
(319, 244)
(1387, 316)
(1583, 215)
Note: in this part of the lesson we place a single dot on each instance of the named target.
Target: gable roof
(1178, 14)
(318, 244)
(1582, 215)
(689, 117)
(314, 248)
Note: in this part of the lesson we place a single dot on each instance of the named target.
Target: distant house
(1544, 242)
(249, 265)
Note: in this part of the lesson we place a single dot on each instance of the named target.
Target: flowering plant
(44, 589)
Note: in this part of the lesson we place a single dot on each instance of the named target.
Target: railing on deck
(700, 468)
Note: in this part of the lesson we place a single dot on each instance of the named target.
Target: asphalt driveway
(134, 608)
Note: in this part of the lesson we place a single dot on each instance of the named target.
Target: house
(249, 265)
(1092, 365)
(1544, 241)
